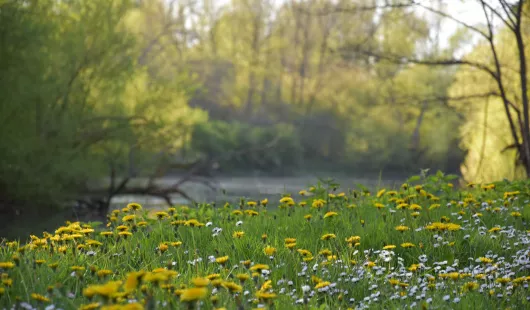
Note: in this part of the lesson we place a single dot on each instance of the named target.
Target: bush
(240, 146)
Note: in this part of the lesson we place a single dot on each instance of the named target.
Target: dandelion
(379, 206)
(193, 294)
(269, 250)
(401, 228)
(330, 214)
(265, 296)
(222, 260)
(485, 260)
(122, 228)
(470, 286)
(200, 282)
(133, 279)
(161, 215)
(353, 239)
(103, 273)
(105, 290)
(515, 214)
(238, 234)
(389, 247)
(128, 218)
(259, 267)
(494, 229)
(318, 203)
(124, 234)
(328, 236)
(287, 201)
(503, 280)
(407, 245)
(414, 207)
(233, 287)
(290, 245)
(162, 247)
(7, 265)
(39, 298)
(91, 306)
(242, 277)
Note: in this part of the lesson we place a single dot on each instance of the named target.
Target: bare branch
(499, 15)
(443, 14)
(507, 9)
(358, 8)
(433, 62)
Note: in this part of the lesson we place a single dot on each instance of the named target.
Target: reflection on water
(228, 189)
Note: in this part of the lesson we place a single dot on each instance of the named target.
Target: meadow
(428, 244)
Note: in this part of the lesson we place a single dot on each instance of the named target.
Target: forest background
(121, 89)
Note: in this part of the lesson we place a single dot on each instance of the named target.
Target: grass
(424, 245)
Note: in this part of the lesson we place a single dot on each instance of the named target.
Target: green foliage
(78, 102)
(238, 146)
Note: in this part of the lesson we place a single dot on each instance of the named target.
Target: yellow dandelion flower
(238, 234)
(39, 298)
(485, 260)
(414, 207)
(124, 234)
(353, 239)
(289, 240)
(494, 229)
(470, 286)
(133, 279)
(287, 201)
(103, 273)
(128, 218)
(259, 267)
(322, 284)
(91, 306)
(269, 250)
(222, 260)
(328, 236)
(7, 265)
(318, 203)
(290, 245)
(200, 282)
(161, 215)
(401, 228)
(134, 206)
(242, 277)
(330, 214)
(233, 287)
(122, 228)
(265, 295)
(193, 294)
(379, 206)
(163, 247)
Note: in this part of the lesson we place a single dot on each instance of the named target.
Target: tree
(509, 15)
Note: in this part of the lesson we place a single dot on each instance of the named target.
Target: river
(228, 189)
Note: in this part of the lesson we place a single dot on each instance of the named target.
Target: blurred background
(169, 101)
